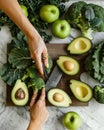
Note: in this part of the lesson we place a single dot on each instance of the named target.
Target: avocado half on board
(79, 45)
(59, 97)
(82, 91)
(68, 65)
(20, 94)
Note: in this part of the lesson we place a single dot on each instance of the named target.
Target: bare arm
(36, 44)
(13, 10)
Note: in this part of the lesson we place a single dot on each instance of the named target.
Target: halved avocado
(79, 45)
(68, 65)
(81, 90)
(58, 97)
(19, 94)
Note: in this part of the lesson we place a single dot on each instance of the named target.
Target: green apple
(61, 28)
(49, 13)
(71, 120)
(24, 8)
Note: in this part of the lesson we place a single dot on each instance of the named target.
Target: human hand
(38, 51)
(36, 44)
(38, 111)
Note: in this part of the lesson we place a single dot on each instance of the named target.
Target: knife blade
(54, 78)
(45, 72)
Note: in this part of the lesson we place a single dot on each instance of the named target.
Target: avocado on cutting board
(54, 51)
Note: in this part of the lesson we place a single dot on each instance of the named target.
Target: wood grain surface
(55, 50)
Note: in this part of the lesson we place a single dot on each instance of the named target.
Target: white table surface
(15, 118)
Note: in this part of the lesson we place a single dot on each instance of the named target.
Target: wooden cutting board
(54, 51)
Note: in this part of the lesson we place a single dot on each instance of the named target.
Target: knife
(54, 78)
(45, 72)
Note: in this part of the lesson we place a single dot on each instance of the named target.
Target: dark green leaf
(96, 22)
(32, 71)
(20, 58)
(36, 83)
(9, 75)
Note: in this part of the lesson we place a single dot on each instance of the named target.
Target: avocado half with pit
(68, 65)
(79, 45)
(20, 94)
(58, 97)
(81, 90)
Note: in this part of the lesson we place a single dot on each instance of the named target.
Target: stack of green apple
(60, 27)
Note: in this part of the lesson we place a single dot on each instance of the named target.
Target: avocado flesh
(79, 45)
(62, 99)
(74, 67)
(22, 88)
(80, 90)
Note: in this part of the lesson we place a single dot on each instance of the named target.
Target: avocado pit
(58, 97)
(68, 65)
(20, 94)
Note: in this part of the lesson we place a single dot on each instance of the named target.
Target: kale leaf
(20, 58)
(9, 74)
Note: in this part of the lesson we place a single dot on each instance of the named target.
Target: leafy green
(34, 79)
(10, 75)
(96, 60)
(19, 41)
(87, 17)
(98, 93)
(20, 58)
(36, 84)
(18, 52)
(20, 65)
(94, 63)
(33, 76)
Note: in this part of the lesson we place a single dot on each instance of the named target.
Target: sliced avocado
(68, 65)
(79, 45)
(19, 94)
(81, 90)
(58, 97)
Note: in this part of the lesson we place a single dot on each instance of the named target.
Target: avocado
(68, 65)
(81, 90)
(79, 45)
(19, 94)
(58, 97)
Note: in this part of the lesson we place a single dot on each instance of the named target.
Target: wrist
(32, 33)
(34, 125)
